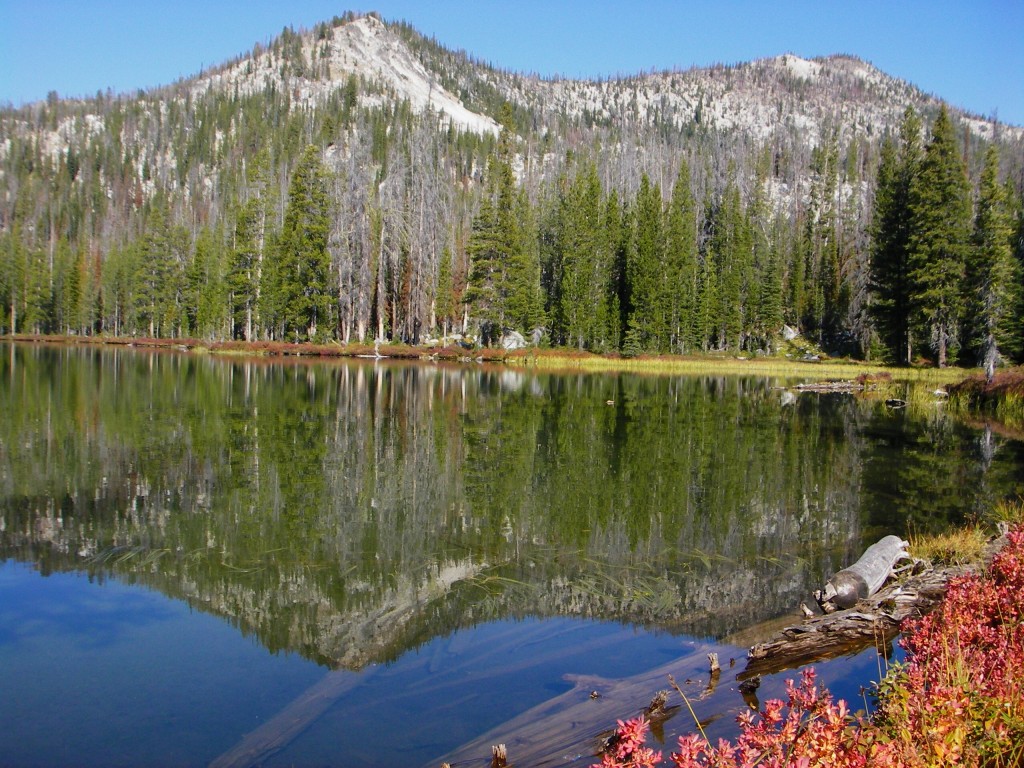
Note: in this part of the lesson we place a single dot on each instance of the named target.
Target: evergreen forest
(285, 197)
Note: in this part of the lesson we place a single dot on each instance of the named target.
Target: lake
(234, 561)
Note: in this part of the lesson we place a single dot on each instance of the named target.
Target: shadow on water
(449, 541)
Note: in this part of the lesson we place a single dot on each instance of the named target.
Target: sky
(968, 52)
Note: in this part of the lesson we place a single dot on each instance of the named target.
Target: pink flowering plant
(807, 729)
(627, 748)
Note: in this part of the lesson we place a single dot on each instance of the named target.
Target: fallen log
(875, 619)
(572, 728)
(830, 386)
(865, 577)
(282, 729)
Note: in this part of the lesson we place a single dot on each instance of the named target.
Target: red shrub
(958, 699)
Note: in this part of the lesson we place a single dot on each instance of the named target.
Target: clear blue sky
(969, 52)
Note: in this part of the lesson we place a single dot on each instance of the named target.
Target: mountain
(313, 66)
(759, 98)
(194, 178)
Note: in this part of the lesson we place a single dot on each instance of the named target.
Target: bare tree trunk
(380, 282)
(991, 356)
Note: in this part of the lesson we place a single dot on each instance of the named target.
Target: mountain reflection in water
(354, 512)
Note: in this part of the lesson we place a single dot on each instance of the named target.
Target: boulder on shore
(513, 340)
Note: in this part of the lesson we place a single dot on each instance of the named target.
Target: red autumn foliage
(957, 700)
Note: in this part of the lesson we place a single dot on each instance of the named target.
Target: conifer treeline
(944, 274)
(232, 216)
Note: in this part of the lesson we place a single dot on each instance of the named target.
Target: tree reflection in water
(352, 511)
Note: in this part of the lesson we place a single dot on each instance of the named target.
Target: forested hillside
(359, 182)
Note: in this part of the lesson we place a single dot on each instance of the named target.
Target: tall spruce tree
(12, 266)
(583, 262)
(444, 304)
(681, 263)
(208, 312)
(1015, 202)
(484, 290)
(731, 249)
(822, 241)
(86, 312)
(705, 326)
(939, 242)
(889, 263)
(524, 302)
(159, 276)
(764, 319)
(303, 288)
(991, 272)
(504, 281)
(771, 307)
(119, 288)
(37, 292)
(615, 235)
(67, 288)
(796, 281)
(244, 272)
(645, 277)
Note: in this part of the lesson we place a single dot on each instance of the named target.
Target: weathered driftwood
(875, 619)
(865, 577)
(573, 727)
(831, 386)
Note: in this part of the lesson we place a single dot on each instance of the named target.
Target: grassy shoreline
(553, 360)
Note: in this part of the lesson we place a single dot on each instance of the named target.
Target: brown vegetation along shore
(276, 348)
(1002, 397)
(548, 359)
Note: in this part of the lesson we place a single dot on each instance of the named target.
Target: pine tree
(444, 305)
(207, 293)
(765, 299)
(85, 316)
(889, 258)
(269, 303)
(304, 266)
(705, 323)
(524, 302)
(1015, 202)
(244, 273)
(681, 262)
(504, 277)
(160, 274)
(823, 242)
(796, 282)
(617, 301)
(583, 262)
(8, 310)
(731, 255)
(37, 292)
(770, 298)
(484, 288)
(67, 289)
(940, 230)
(991, 271)
(645, 276)
(118, 291)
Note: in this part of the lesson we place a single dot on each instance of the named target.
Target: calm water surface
(193, 549)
